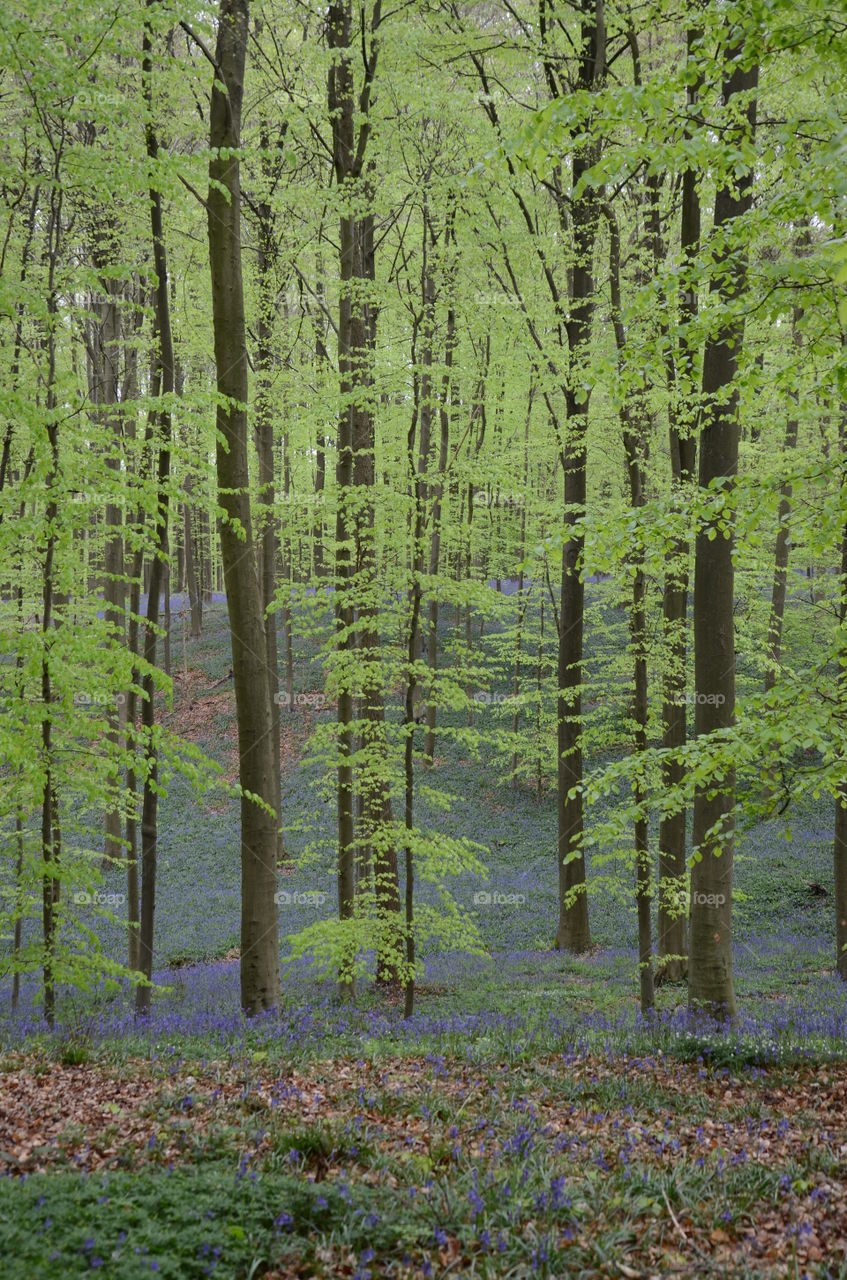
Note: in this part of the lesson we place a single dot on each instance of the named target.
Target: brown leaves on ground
(664, 1115)
(199, 707)
(79, 1112)
(204, 715)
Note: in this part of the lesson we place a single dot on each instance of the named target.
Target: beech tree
(255, 684)
(710, 976)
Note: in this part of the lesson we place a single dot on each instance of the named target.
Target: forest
(423, 638)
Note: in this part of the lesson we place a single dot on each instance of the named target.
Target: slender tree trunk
(839, 848)
(133, 911)
(136, 579)
(320, 487)
(643, 869)
(673, 942)
(415, 561)
(355, 511)
(322, 360)
(189, 565)
(573, 932)
(425, 407)
(166, 622)
(340, 101)
(634, 418)
(204, 544)
(710, 972)
(50, 843)
(260, 975)
(265, 522)
(287, 573)
(150, 801)
(104, 356)
(444, 409)
(16, 941)
(539, 775)
(479, 411)
(522, 603)
(783, 536)
(19, 592)
(374, 775)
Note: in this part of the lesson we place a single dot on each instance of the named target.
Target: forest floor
(525, 1121)
(555, 1165)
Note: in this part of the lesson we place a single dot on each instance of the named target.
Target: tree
(150, 803)
(682, 372)
(710, 973)
(356, 584)
(260, 979)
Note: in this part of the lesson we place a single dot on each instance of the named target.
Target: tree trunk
(265, 522)
(710, 972)
(415, 562)
(374, 774)
(103, 380)
(322, 360)
(340, 101)
(355, 512)
(673, 943)
(783, 536)
(839, 848)
(166, 605)
(150, 801)
(444, 409)
(260, 975)
(204, 544)
(50, 841)
(634, 418)
(190, 566)
(132, 913)
(16, 939)
(522, 603)
(573, 933)
(643, 876)
(840, 842)
(287, 575)
(539, 763)
(479, 410)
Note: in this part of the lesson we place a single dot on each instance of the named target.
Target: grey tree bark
(573, 933)
(263, 433)
(260, 972)
(710, 982)
(445, 407)
(634, 422)
(150, 801)
(355, 566)
(104, 355)
(839, 847)
(672, 931)
(783, 535)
